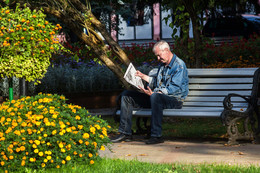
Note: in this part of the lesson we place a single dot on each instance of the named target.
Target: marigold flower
(68, 158)
(85, 135)
(90, 155)
(102, 148)
(80, 141)
(63, 161)
(22, 148)
(37, 142)
(40, 153)
(91, 162)
(23, 163)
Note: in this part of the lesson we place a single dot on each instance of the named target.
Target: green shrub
(44, 131)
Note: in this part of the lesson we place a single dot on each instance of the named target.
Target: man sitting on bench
(165, 91)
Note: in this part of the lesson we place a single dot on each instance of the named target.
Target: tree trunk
(71, 13)
(196, 32)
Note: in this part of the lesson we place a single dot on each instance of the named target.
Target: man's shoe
(155, 140)
(122, 137)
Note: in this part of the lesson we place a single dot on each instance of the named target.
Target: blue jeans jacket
(172, 80)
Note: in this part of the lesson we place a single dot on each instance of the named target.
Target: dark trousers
(157, 102)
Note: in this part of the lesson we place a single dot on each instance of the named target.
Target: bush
(43, 131)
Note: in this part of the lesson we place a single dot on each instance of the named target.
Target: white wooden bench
(208, 88)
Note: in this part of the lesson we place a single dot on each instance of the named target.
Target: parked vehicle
(235, 26)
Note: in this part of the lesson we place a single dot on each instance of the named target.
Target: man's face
(162, 55)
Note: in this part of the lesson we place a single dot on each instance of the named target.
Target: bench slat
(184, 112)
(218, 93)
(216, 72)
(211, 99)
(221, 80)
(212, 104)
(222, 72)
(220, 86)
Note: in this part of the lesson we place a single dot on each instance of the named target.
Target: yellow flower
(32, 159)
(86, 143)
(40, 154)
(63, 161)
(61, 145)
(63, 150)
(43, 165)
(37, 142)
(48, 157)
(23, 163)
(58, 166)
(90, 155)
(91, 162)
(85, 135)
(92, 129)
(68, 158)
(11, 157)
(102, 148)
(80, 141)
(36, 151)
(22, 148)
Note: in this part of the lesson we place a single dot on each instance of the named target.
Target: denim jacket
(172, 79)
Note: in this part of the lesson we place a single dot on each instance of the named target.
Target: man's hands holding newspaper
(147, 91)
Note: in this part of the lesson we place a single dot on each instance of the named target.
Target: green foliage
(26, 43)
(44, 131)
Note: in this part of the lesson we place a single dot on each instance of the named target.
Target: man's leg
(158, 103)
(129, 101)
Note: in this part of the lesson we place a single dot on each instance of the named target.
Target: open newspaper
(131, 78)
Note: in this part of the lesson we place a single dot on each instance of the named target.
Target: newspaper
(131, 78)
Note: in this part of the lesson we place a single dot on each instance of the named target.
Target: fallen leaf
(240, 153)
(143, 154)
(128, 155)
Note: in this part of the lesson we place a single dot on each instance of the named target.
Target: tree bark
(71, 13)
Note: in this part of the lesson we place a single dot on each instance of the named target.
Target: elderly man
(165, 91)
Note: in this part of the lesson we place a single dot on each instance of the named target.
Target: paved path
(185, 151)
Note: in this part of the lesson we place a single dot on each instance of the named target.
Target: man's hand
(148, 91)
(142, 76)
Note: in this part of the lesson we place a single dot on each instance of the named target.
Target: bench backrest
(208, 87)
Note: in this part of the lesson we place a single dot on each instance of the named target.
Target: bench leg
(234, 131)
(257, 128)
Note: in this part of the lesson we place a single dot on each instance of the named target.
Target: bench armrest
(227, 100)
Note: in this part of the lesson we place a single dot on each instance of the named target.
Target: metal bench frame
(228, 93)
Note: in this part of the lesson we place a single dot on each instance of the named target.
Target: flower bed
(43, 131)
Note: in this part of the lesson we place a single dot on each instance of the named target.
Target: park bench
(228, 93)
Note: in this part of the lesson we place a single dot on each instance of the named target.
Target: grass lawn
(134, 166)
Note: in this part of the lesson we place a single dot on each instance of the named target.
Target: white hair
(161, 45)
